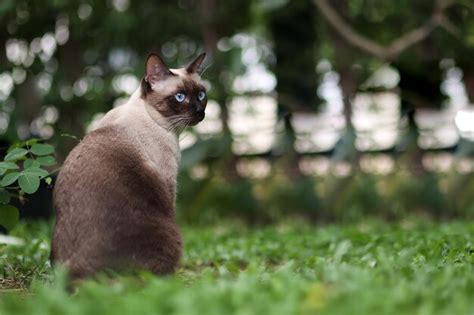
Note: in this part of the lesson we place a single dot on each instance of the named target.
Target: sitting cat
(115, 194)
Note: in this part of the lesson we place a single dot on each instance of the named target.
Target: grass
(372, 268)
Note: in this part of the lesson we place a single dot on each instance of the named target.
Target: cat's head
(177, 94)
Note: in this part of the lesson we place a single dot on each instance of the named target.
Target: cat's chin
(196, 120)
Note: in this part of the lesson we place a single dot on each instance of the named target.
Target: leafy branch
(22, 171)
(397, 46)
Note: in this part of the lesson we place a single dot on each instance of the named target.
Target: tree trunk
(418, 90)
(210, 35)
(348, 82)
(294, 46)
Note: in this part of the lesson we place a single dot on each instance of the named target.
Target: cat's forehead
(173, 83)
(182, 73)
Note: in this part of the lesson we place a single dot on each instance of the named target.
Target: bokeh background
(325, 110)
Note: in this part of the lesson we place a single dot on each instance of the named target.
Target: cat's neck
(150, 129)
(139, 116)
(136, 101)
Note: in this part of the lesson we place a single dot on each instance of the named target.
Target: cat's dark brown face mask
(177, 94)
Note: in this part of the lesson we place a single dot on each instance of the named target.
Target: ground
(414, 267)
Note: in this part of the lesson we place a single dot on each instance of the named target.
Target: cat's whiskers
(188, 122)
(175, 122)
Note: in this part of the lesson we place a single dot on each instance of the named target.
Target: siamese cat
(115, 194)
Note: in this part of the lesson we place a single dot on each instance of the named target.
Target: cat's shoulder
(105, 141)
(107, 133)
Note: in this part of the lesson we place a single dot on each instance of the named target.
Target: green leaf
(35, 171)
(9, 165)
(9, 179)
(29, 183)
(4, 196)
(5, 166)
(42, 149)
(31, 163)
(9, 216)
(46, 160)
(48, 180)
(16, 154)
(31, 142)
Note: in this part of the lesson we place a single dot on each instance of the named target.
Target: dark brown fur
(168, 106)
(131, 209)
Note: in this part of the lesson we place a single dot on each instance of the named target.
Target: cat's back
(110, 147)
(100, 150)
(106, 205)
(123, 158)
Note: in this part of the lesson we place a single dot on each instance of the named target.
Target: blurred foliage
(331, 198)
(63, 62)
(67, 61)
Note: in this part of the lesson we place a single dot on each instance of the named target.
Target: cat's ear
(193, 67)
(156, 69)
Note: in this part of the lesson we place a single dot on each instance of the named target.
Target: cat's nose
(199, 109)
(200, 115)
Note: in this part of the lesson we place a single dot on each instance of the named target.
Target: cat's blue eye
(201, 95)
(180, 97)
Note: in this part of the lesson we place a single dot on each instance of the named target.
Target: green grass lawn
(372, 268)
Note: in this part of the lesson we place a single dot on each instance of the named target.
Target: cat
(115, 194)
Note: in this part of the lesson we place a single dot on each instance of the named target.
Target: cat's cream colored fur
(151, 134)
(148, 127)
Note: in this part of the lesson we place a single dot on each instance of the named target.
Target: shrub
(21, 173)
